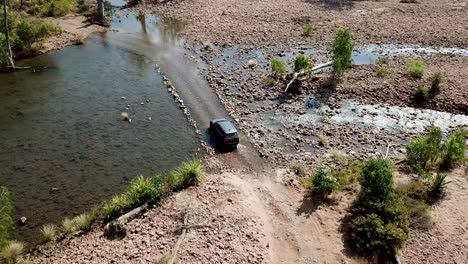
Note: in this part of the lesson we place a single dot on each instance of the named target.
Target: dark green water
(63, 144)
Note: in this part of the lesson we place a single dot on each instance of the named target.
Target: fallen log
(173, 258)
(302, 73)
(117, 224)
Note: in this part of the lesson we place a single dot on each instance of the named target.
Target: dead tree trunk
(100, 10)
(8, 54)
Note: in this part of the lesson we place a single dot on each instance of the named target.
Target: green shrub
(377, 179)
(382, 72)
(49, 231)
(453, 150)
(424, 151)
(302, 63)
(307, 30)
(349, 174)
(270, 82)
(142, 190)
(421, 93)
(439, 185)
(12, 251)
(378, 227)
(415, 68)
(436, 82)
(342, 50)
(323, 182)
(51, 8)
(6, 221)
(278, 66)
(190, 173)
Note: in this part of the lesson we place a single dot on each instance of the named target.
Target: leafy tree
(6, 221)
(342, 50)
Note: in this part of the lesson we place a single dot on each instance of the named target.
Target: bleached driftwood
(180, 240)
(299, 74)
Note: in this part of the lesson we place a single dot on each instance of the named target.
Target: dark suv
(224, 133)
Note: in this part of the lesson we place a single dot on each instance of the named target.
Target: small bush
(307, 30)
(436, 82)
(377, 179)
(322, 140)
(453, 150)
(69, 226)
(302, 63)
(270, 82)
(323, 182)
(382, 72)
(379, 227)
(12, 251)
(415, 68)
(421, 93)
(298, 168)
(190, 173)
(142, 190)
(438, 186)
(83, 221)
(424, 151)
(382, 60)
(348, 175)
(51, 8)
(278, 66)
(49, 231)
(342, 50)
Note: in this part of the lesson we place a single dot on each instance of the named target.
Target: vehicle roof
(227, 126)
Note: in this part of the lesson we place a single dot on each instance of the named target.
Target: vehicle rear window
(231, 135)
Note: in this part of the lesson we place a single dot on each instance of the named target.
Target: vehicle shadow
(313, 201)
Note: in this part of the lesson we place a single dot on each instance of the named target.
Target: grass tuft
(416, 68)
(12, 251)
(69, 226)
(298, 168)
(436, 82)
(382, 72)
(49, 231)
(307, 31)
(270, 82)
(421, 93)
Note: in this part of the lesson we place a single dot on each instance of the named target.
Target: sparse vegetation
(379, 221)
(382, 60)
(12, 251)
(302, 63)
(298, 168)
(69, 226)
(342, 50)
(323, 182)
(415, 68)
(349, 174)
(49, 231)
(270, 82)
(322, 140)
(307, 30)
(83, 221)
(382, 72)
(453, 150)
(436, 82)
(421, 93)
(438, 186)
(424, 151)
(6, 221)
(278, 66)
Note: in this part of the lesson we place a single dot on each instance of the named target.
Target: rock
(22, 220)
(123, 98)
(114, 230)
(125, 116)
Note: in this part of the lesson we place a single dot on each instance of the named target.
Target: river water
(63, 144)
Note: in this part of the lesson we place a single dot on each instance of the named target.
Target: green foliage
(342, 50)
(377, 179)
(12, 251)
(83, 221)
(424, 151)
(453, 150)
(436, 82)
(349, 174)
(418, 212)
(49, 231)
(307, 31)
(323, 182)
(6, 221)
(421, 93)
(379, 227)
(152, 190)
(302, 63)
(415, 68)
(278, 66)
(382, 72)
(24, 32)
(439, 185)
(51, 8)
